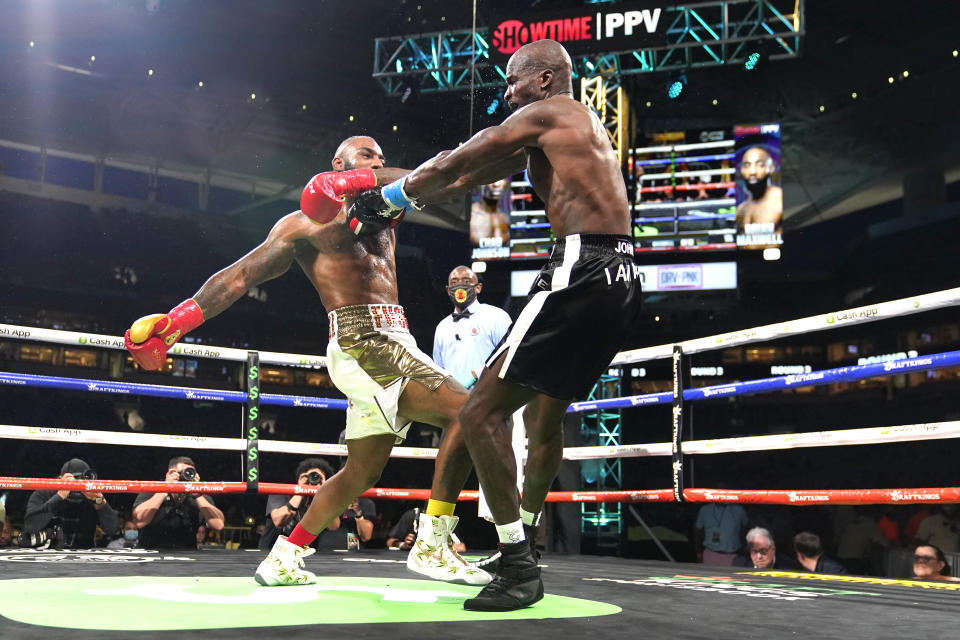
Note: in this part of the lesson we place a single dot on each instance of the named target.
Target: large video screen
(759, 196)
(507, 221)
(692, 189)
(683, 185)
(490, 209)
(714, 189)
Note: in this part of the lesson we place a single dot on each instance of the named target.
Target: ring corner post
(679, 419)
(251, 423)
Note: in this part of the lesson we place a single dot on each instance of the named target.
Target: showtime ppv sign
(581, 31)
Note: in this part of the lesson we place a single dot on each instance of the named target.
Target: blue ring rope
(163, 391)
(815, 378)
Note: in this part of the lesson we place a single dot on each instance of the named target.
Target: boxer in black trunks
(578, 309)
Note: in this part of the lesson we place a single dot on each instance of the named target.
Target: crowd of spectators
(917, 541)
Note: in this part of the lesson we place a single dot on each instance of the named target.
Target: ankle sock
(301, 537)
(511, 532)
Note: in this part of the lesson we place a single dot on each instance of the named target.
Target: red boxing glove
(149, 338)
(322, 198)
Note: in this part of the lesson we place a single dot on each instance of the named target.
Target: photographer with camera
(284, 512)
(171, 520)
(67, 519)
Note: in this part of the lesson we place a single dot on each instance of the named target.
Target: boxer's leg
(433, 554)
(484, 422)
(366, 458)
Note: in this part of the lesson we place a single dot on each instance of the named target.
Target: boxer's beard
(758, 188)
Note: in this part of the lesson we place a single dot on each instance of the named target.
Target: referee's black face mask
(462, 295)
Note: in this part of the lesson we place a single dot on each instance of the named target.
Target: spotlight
(394, 127)
(493, 106)
(755, 58)
(409, 90)
(906, 74)
(676, 87)
(890, 80)
(351, 118)
(854, 95)
(303, 107)
(149, 72)
(955, 52)
(649, 104)
(253, 96)
(822, 108)
(32, 44)
(200, 84)
(93, 58)
(715, 102)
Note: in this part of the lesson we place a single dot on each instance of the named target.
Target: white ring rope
(847, 317)
(839, 437)
(192, 350)
(88, 436)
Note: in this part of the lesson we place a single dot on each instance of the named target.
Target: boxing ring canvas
(102, 594)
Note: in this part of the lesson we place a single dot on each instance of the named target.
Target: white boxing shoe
(283, 566)
(433, 554)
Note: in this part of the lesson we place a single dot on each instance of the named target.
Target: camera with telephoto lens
(49, 538)
(189, 474)
(314, 477)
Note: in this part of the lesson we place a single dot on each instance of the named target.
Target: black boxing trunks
(577, 314)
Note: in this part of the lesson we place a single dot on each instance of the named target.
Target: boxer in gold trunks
(371, 358)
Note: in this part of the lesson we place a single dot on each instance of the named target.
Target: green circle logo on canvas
(138, 603)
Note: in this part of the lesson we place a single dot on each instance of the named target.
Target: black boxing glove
(371, 213)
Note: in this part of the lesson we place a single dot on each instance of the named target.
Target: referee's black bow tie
(457, 317)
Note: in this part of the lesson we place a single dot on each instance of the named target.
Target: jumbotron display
(708, 190)
(508, 221)
(696, 190)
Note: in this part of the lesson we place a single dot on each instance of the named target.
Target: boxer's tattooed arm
(269, 260)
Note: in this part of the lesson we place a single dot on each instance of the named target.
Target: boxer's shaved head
(544, 55)
(354, 147)
(538, 70)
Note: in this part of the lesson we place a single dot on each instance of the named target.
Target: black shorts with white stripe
(576, 317)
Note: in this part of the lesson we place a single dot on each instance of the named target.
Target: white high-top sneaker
(283, 566)
(433, 555)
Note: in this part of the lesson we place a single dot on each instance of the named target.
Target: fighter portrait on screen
(490, 220)
(758, 194)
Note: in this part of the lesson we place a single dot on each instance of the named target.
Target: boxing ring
(587, 593)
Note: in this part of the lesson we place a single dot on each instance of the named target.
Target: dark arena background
(793, 175)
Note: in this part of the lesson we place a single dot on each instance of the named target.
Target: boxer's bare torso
(344, 270)
(568, 155)
(573, 168)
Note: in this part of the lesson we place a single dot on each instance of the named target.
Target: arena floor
(99, 594)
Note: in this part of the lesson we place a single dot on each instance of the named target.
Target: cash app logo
(144, 603)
